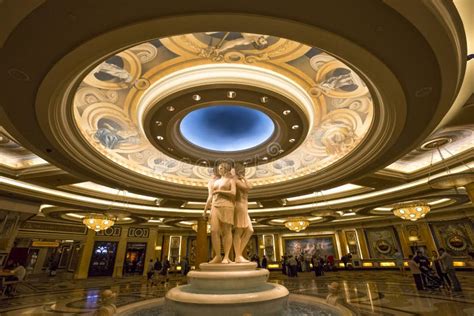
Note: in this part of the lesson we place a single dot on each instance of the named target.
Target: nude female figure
(243, 229)
(221, 200)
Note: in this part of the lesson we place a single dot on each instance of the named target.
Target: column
(184, 247)
(201, 242)
(150, 250)
(278, 254)
(404, 241)
(120, 256)
(343, 242)
(82, 271)
(40, 260)
(364, 248)
(425, 233)
(159, 246)
(470, 191)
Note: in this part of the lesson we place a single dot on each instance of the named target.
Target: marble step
(227, 267)
(228, 281)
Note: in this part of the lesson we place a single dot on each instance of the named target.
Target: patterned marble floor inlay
(364, 292)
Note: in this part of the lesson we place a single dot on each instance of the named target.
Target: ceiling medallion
(98, 222)
(296, 224)
(412, 211)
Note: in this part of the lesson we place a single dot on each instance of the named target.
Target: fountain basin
(296, 305)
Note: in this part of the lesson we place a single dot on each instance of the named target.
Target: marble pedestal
(228, 289)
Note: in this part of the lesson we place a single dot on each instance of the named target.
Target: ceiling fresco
(105, 104)
(14, 156)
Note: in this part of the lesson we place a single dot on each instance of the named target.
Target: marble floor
(364, 292)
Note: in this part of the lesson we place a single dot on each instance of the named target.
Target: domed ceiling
(285, 109)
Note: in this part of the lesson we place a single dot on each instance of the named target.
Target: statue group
(228, 204)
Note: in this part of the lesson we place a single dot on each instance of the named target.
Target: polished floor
(364, 292)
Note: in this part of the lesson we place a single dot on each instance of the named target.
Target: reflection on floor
(364, 292)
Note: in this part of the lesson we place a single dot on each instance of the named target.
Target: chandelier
(449, 180)
(98, 222)
(411, 211)
(296, 224)
(195, 228)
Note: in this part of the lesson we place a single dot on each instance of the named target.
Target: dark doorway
(103, 258)
(134, 258)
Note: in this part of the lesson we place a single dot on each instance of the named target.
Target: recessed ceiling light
(170, 149)
(196, 97)
(295, 127)
(158, 123)
(170, 108)
(265, 158)
(264, 99)
(286, 112)
(280, 151)
(231, 94)
(159, 137)
(292, 140)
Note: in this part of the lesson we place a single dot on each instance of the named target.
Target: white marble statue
(221, 201)
(107, 306)
(333, 295)
(243, 229)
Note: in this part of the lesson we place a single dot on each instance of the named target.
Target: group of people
(15, 272)
(443, 274)
(158, 272)
(291, 264)
(260, 264)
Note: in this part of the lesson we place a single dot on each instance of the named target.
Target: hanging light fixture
(195, 227)
(449, 180)
(412, 211)
(98, 222)
(296, 224)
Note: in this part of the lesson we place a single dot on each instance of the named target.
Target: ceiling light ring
(245, 96)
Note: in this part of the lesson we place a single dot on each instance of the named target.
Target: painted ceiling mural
(15, 156)
(106, 114)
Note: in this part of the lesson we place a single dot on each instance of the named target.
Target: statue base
(228, 289)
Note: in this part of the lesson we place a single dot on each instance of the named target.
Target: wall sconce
(261, 247)
(158, 248)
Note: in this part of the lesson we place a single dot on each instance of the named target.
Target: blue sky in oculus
(226, 127)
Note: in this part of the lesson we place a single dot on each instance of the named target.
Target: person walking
(399, 261)
(184, 264)
(283, 265)
(448, 268)
(345, 260)
(264, 262)
(415, 271)
(150, 272)
(424, 265)
(293, 266)
(439, 270)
